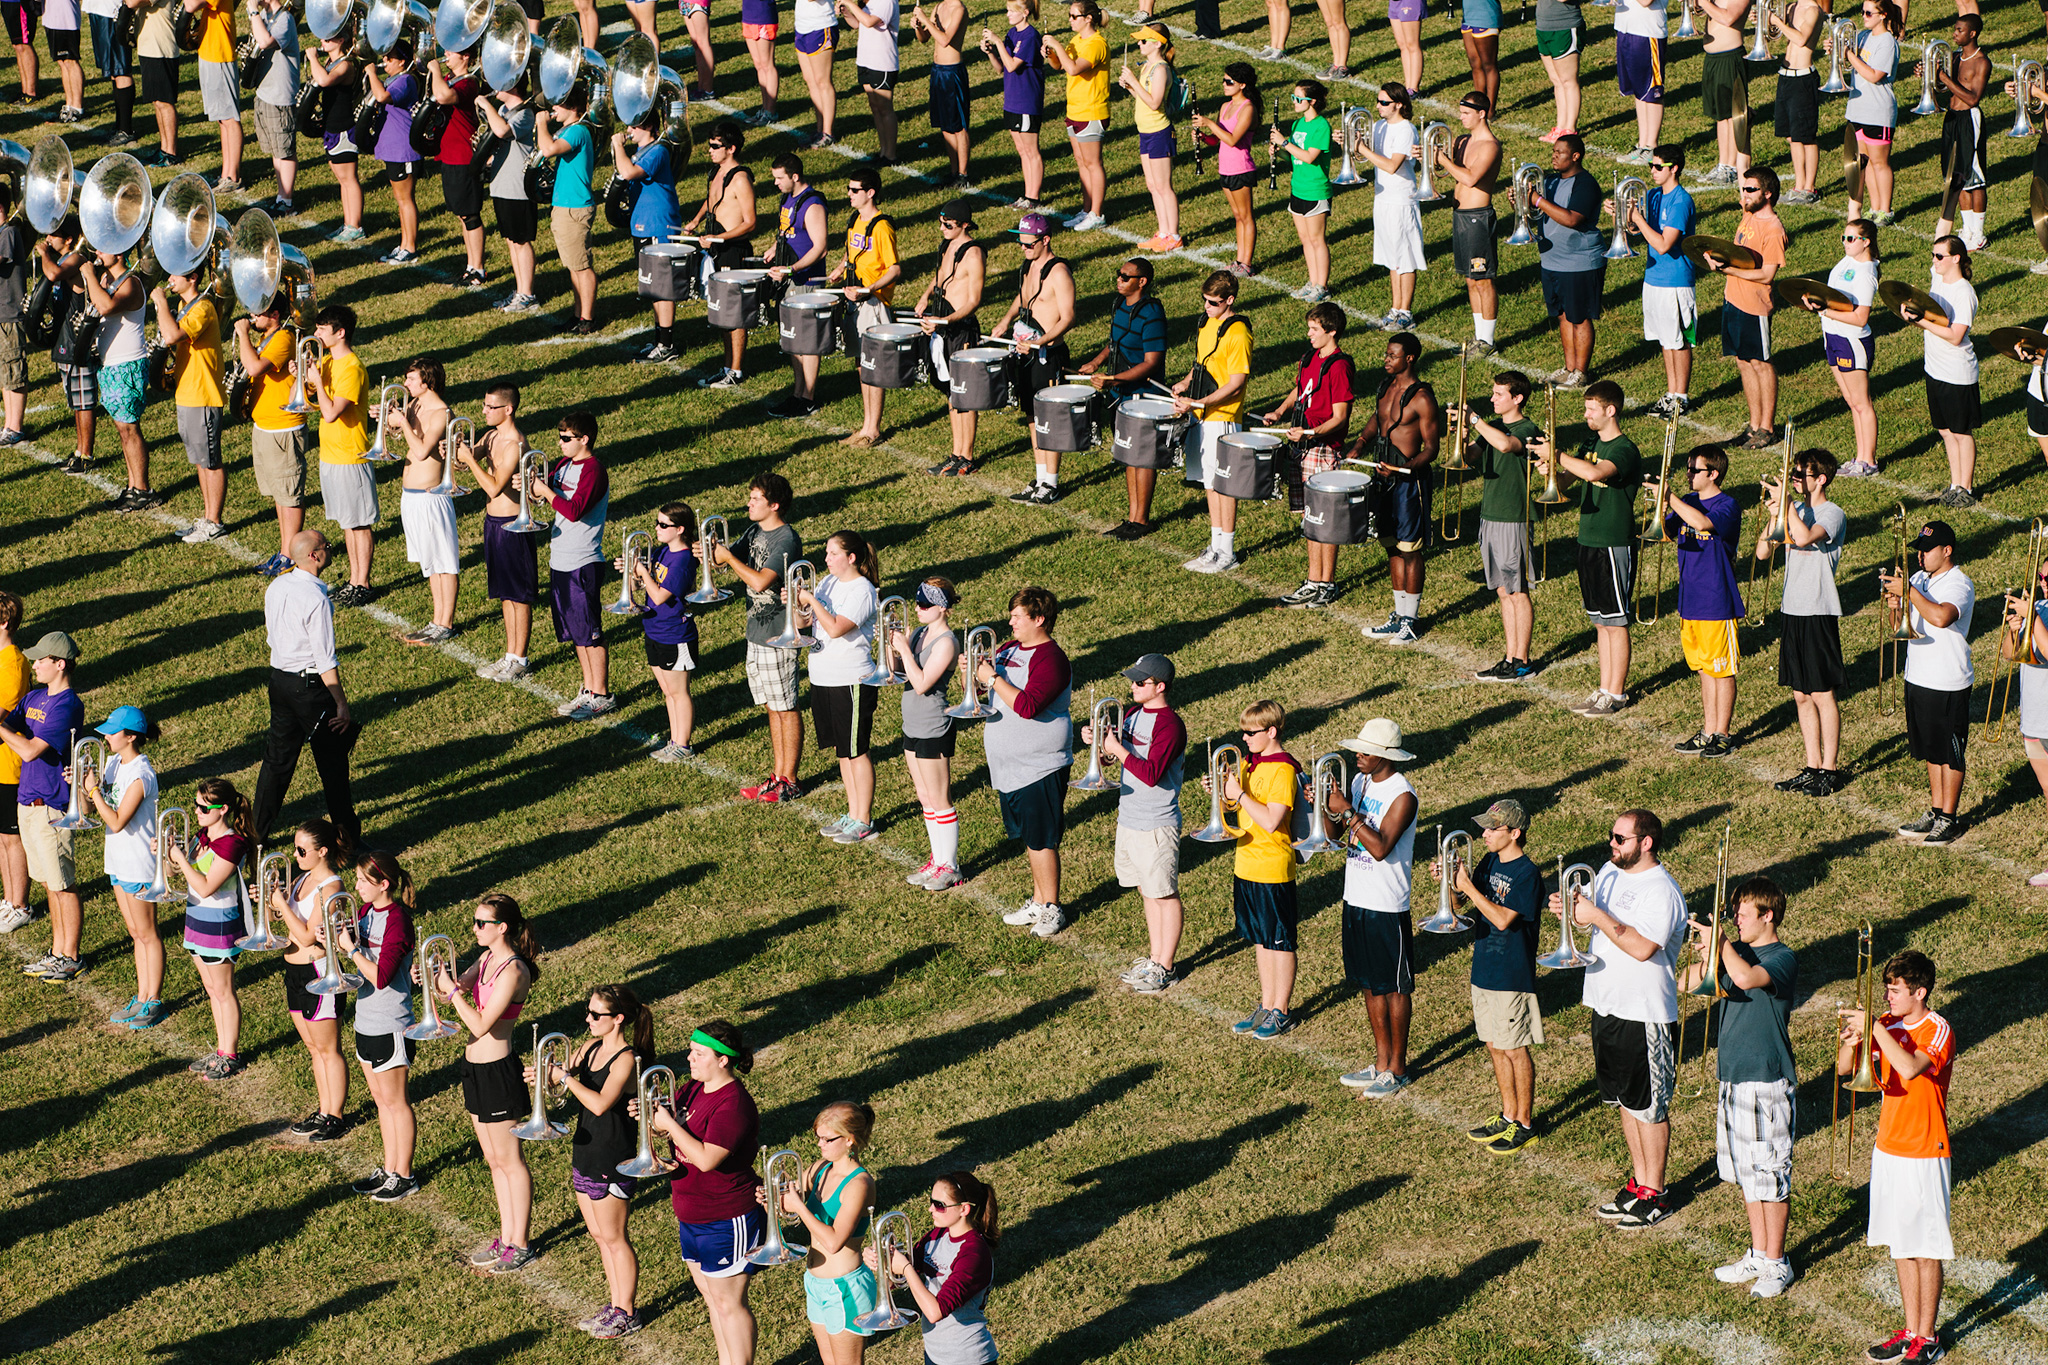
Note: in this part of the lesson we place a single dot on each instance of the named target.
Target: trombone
(1655, 534)
(1216, 832)
(1709, 957)
(657, 1085)
(1450, 848)
(708, 593)
(636, 548)
(1552, 495)
(2016, 647)
(177, 817)
(1892, 644)
(1777, 508)
(1326, 778)
(1451, 521)
(1103, 716)
(261, 938)
(974, 704)
(436, 955)
(891, 613)
(779, 1172)
(1576, 880)
(548, 1049)
(1861, 1079)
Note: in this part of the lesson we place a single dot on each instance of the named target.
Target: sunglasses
(1696, 469)
(567, 436)
(483, 923)
(1852, 238)
(1128, 278)
(1301, 99)
(1215, 303)
(1660, 165)
(1383, 101)
(210, 805)
(1621, 838)
(591, 1014)
(1942, 255)
(942, 1205)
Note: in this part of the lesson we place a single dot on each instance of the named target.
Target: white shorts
(1397, 234)
(1149, 860)
(1201, 450)
(1909, 1206)
(1671, 315)
(429, 522)
(1753, 1124)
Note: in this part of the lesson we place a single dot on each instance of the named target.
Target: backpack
(1200, 382)
(1180, 97)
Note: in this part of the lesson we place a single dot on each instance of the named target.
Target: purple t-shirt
(670, 622)
(47, 777)
(394, 139)
(1707, 590)
(757, 11)
(1024, 88)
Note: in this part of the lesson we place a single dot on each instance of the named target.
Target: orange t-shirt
(1765, 235)
(1914, 1119)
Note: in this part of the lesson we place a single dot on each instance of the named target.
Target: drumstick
(1162, 388)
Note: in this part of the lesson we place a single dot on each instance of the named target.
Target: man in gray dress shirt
(306, 698)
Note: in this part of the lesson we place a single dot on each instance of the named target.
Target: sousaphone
(508, 52)
(389, 20)
(50, 184)
(461, 24)
(565, 63)
(642, 86)
(114, 204)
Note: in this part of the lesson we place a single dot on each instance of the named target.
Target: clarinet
(1273, 163)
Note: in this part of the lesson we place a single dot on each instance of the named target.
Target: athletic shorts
(946, 94)
(823, 40)
(1042, 367)
(48, 849)
(278, 459)
(348, 494)
(1634, 1064)
(220, 92)
(1560, 42)
(765, 33)
(113, 59)
(686, 8)
(572, 235)
(518, 219)
(573, 603)
(1938, 725)
(302, 1002)
(511, 563)
(1671, 316)
(1574, 295)
(82, 386)
(1156, 146)
(1199, 464)
(2037, 417)
(871, 79)
(1909, 1206)
(429, 523)
(199, 429)
(341, 148)
(20, 21)
(1753, 1126)
(1795, 113)
(384, 1051)
(1953, 407)
(1504, 555)
(495, 1092)
(10, 817)
(159, 79)
(462, 190)
(1407, 11)
(1089, 130)
(1238, 182)
(1379, 950)
(1475, 242)
(1639, 67)
(1724, 83)
(1962, 138)
(844, 716)
(675, 658)
(1607, 583)
(124, 389)
(1506, 1019)
(63, 43)
(1849, 354)
(1307, 208)
(1022, 123)
(1405, 525)
(834, 1304)
(1810, 654)
(1710, 647)
(1149, 860)
(1744, 336)
(1266, 913)
(771, 676)
(132, 888)
(720, 1249)
(1037, 812)
(612, 1186)
(395, 171)
(1877, 135)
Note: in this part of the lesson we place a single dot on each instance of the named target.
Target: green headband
(700, 1036)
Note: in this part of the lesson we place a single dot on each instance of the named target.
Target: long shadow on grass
(54, 1114)
(266, 1338)
(777, 1016)
(1216, 1266)
(1002, 1135)
(1370, 1327)
(31, 1033)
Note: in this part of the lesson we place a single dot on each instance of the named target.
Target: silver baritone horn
(974, 703)
(1629, 194)
(711, 533)
(1522, 192)
(1435, 137)
(1351, 126)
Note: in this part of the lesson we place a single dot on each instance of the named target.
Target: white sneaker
(1773, 1279)
(1051, 919)
(917, 878)
(1075, 222)
(1741, 1271)
(201, 532)
(831, 831)
(1137, 971)
(13, 916)
(1225, 561)
(943, 877)
(494, 671)
(574, 704)
(596, 706)
(1089, 222)
(1202, 563)
(1027, 913)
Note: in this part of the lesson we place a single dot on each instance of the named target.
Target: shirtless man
(1724, 88)
(426, 512)
(1402, 436)
(1962, 132)
(947, 97)
(1796, 111)
(1473, 162)
(511, 558)
(946, 310)
(1036, 325)
(729, 204)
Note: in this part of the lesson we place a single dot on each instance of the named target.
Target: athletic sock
(943, 827)
(1040, 475)
(662, 334)
(1408, 604)
(1973, 225)
(929, 836)
(1226, 542)
(1482, 328)
(124, 109)
(1051, 478)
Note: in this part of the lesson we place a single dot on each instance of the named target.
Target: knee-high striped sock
(944, 828)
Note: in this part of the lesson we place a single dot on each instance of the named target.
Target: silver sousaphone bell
(327, 18)
(508, 52)
(389, 20)
(114, 204)
(565, 63)
(49, 185)
(642, 85)
(460, 24)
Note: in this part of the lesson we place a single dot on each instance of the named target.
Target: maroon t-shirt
(724, 1118)
(457, 138)
(1319, 387)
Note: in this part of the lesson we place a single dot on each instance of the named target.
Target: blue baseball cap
(129, 718)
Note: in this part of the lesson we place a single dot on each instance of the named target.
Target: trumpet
(532, 465)
(1892, 644)
(1572, 882)
(778, 1173)
(1216, 832)
(261, 938)
(1449, 849)
(891, 613)
(333, 980)
(657, 1086)
(1522, 190)
(1655, 534)
(380, 449)
(1709, 957)
(1551, 495)
(892, 1237)
(1629, 193)
(974, 704)
(436, 951)
(1354, 124)
(1104, 715)
(1862, 1079)
(2016, 647)
(1934, 55)
(461, 432)
(177, 817)
(1326, 777)
(797, 579)
(1774, 536)
(710, 533)
(1436, 137)
(636, 548)
(89, 759)
(552, 1048)
(1450, 522)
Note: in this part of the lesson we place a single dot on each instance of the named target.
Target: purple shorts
(511, 562)
(1639, 67)
(1158, 146)
(613, 1186)
(1407, 11)
(1849, 353)
(573, 600)
(819, 41)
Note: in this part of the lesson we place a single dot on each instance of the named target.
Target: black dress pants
(300, 707)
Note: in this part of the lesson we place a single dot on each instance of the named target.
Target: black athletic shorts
(518, 219)
(1634, 1065)
(462, 190)
(159, 79)
(10, 816)
(1266, 913)
(1722, 76)
(63, 43)
(1938, 725)
(1810, 654)
(941, 747)
(1795, 114)
(844, 715)
(1379, 950)
(1037, 813)
(495, 1092)
(1607, 583)
(1953, 407)
(875, 80)
(1475, 235)
(1043, 366)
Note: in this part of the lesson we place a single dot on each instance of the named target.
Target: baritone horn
(89, 758)
(782, 1171)
(2016, 647)
(1354, 124)
(2028, 105)
(1104, 716)
(380, 449)
(436, 955)
(1572, 882)
(1838, 34)
(1709, 958)
(261, 938)
(1216, 832)
(333, 980)
(642, 87)
(173, 826)
(657, 1086)
(636, 548)
(891, 613)
(1450, 849)
(797, 579)
(1522, 190)
(1436, 138)
(892, 1238)
(1326, 777)
(460, 434)
(975, 703)
(1628, 196)
(548, 1050)
(1934, 55)
(1862, 1078)
(532, 465)
(711, 533)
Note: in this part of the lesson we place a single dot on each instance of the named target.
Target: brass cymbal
(1697, 246)
(2006, 341)
(1896, 294)
(1793, 290)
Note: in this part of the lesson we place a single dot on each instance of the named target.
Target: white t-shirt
(1395, 137)
(815, 16)
(846, 660)
(128, 857)
(1381, 884)
(2033, 688)
(875, 48)
(1650, 903)
(1644, 21)
(1946, 361)
(105, 9)
(1941, 661)
(1857, 279)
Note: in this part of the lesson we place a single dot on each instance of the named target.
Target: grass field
(1172, 1193)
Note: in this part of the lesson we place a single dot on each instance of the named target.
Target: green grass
(1172, 1193)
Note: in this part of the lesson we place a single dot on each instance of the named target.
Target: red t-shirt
(1318, 390)
(457, 137)
(723, 1118)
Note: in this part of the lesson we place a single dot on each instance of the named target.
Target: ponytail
(337, 846)
(861, 553)
(380, 866)
(852, 1120)
(969, 1189)
(240, 819)
(620, 999)
(518, 933)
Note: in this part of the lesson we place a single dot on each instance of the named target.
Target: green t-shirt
(1607, 510)
(1506, 476)
(1311, 179)
(1756, 1026)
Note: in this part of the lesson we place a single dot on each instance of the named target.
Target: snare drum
(808, 324)
(668, 271)
(981, 379)
(1147, 433)
(733, 303)
(1340, 508)
(892, 356)
(1063, 417)
(1244, 465)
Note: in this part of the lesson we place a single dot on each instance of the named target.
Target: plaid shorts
(771, 676)
(1753, 1123)
(81, 386)
(1317, 460)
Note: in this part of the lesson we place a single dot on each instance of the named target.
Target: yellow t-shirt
(871, 246)
(274, 388)
(217, 33)
(199, 380)
(344, 441)
(1223, 357)
(14, 684)
(1088, 96)
(1267, 855)
(1150, 120)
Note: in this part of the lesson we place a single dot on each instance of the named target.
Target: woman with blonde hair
(833, 1206)
(1150, 89)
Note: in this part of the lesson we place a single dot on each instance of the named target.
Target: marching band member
(670, 630)
(1086, 67)
(947, 312)
(1392, 148)
(1938, 601)
(15, 254)
(1149, 748)
(946, 97)
(275, 29)
(579, 490)
(277, 438)
(1560, 37)
(799, 258)
(1640, 63)
(1016, 56)
(379, 946)
(1638, 918)
(1320, 402)
(1473, 162)
(1129, 364)
(1748, 305)
(1950, 361)
(488, 999)
(1307, 148)
(1810, 618)
(1724, 86)
(2025, 642)
(875, 64)
(220, 87)
(838, 1287)
(1402, 434)
(398, 89)
(510, 116)
(951, 1269)
(714, 1133)
(1405, 18)
(1757, 1075)
(871, 259)
(1149, 89)
(640, 156)
(1851, 345)
(428, 516)
(1666, 217)
(1212, 394)
(1611, 471)
(457, 85)
(39, 732)
(119, 295)
(322, 853)
(1030, 747)
(511, 558)
(1873, 108)
(195, 324)
(1707, 524)
(1037, 323)
(14, 682)
(214, 898)
(1480, 30)
(1964, 79)
(1504, 549)
(340, 79)
(575, 206)
(1262, 867)
(348, 488)
(1242, 114)
(132, 856)
(1913, 1056)
(817, 40)
(62, 258)
(925, 658)
(600, 1079)
(842, 612)
(729, 204)
(1505, 1013)
(1378, 819)
(1795, 107)
(1574, 255)
(60, 27)
(758, 558)
(157, 53)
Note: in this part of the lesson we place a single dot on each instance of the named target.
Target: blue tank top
(794, 209)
